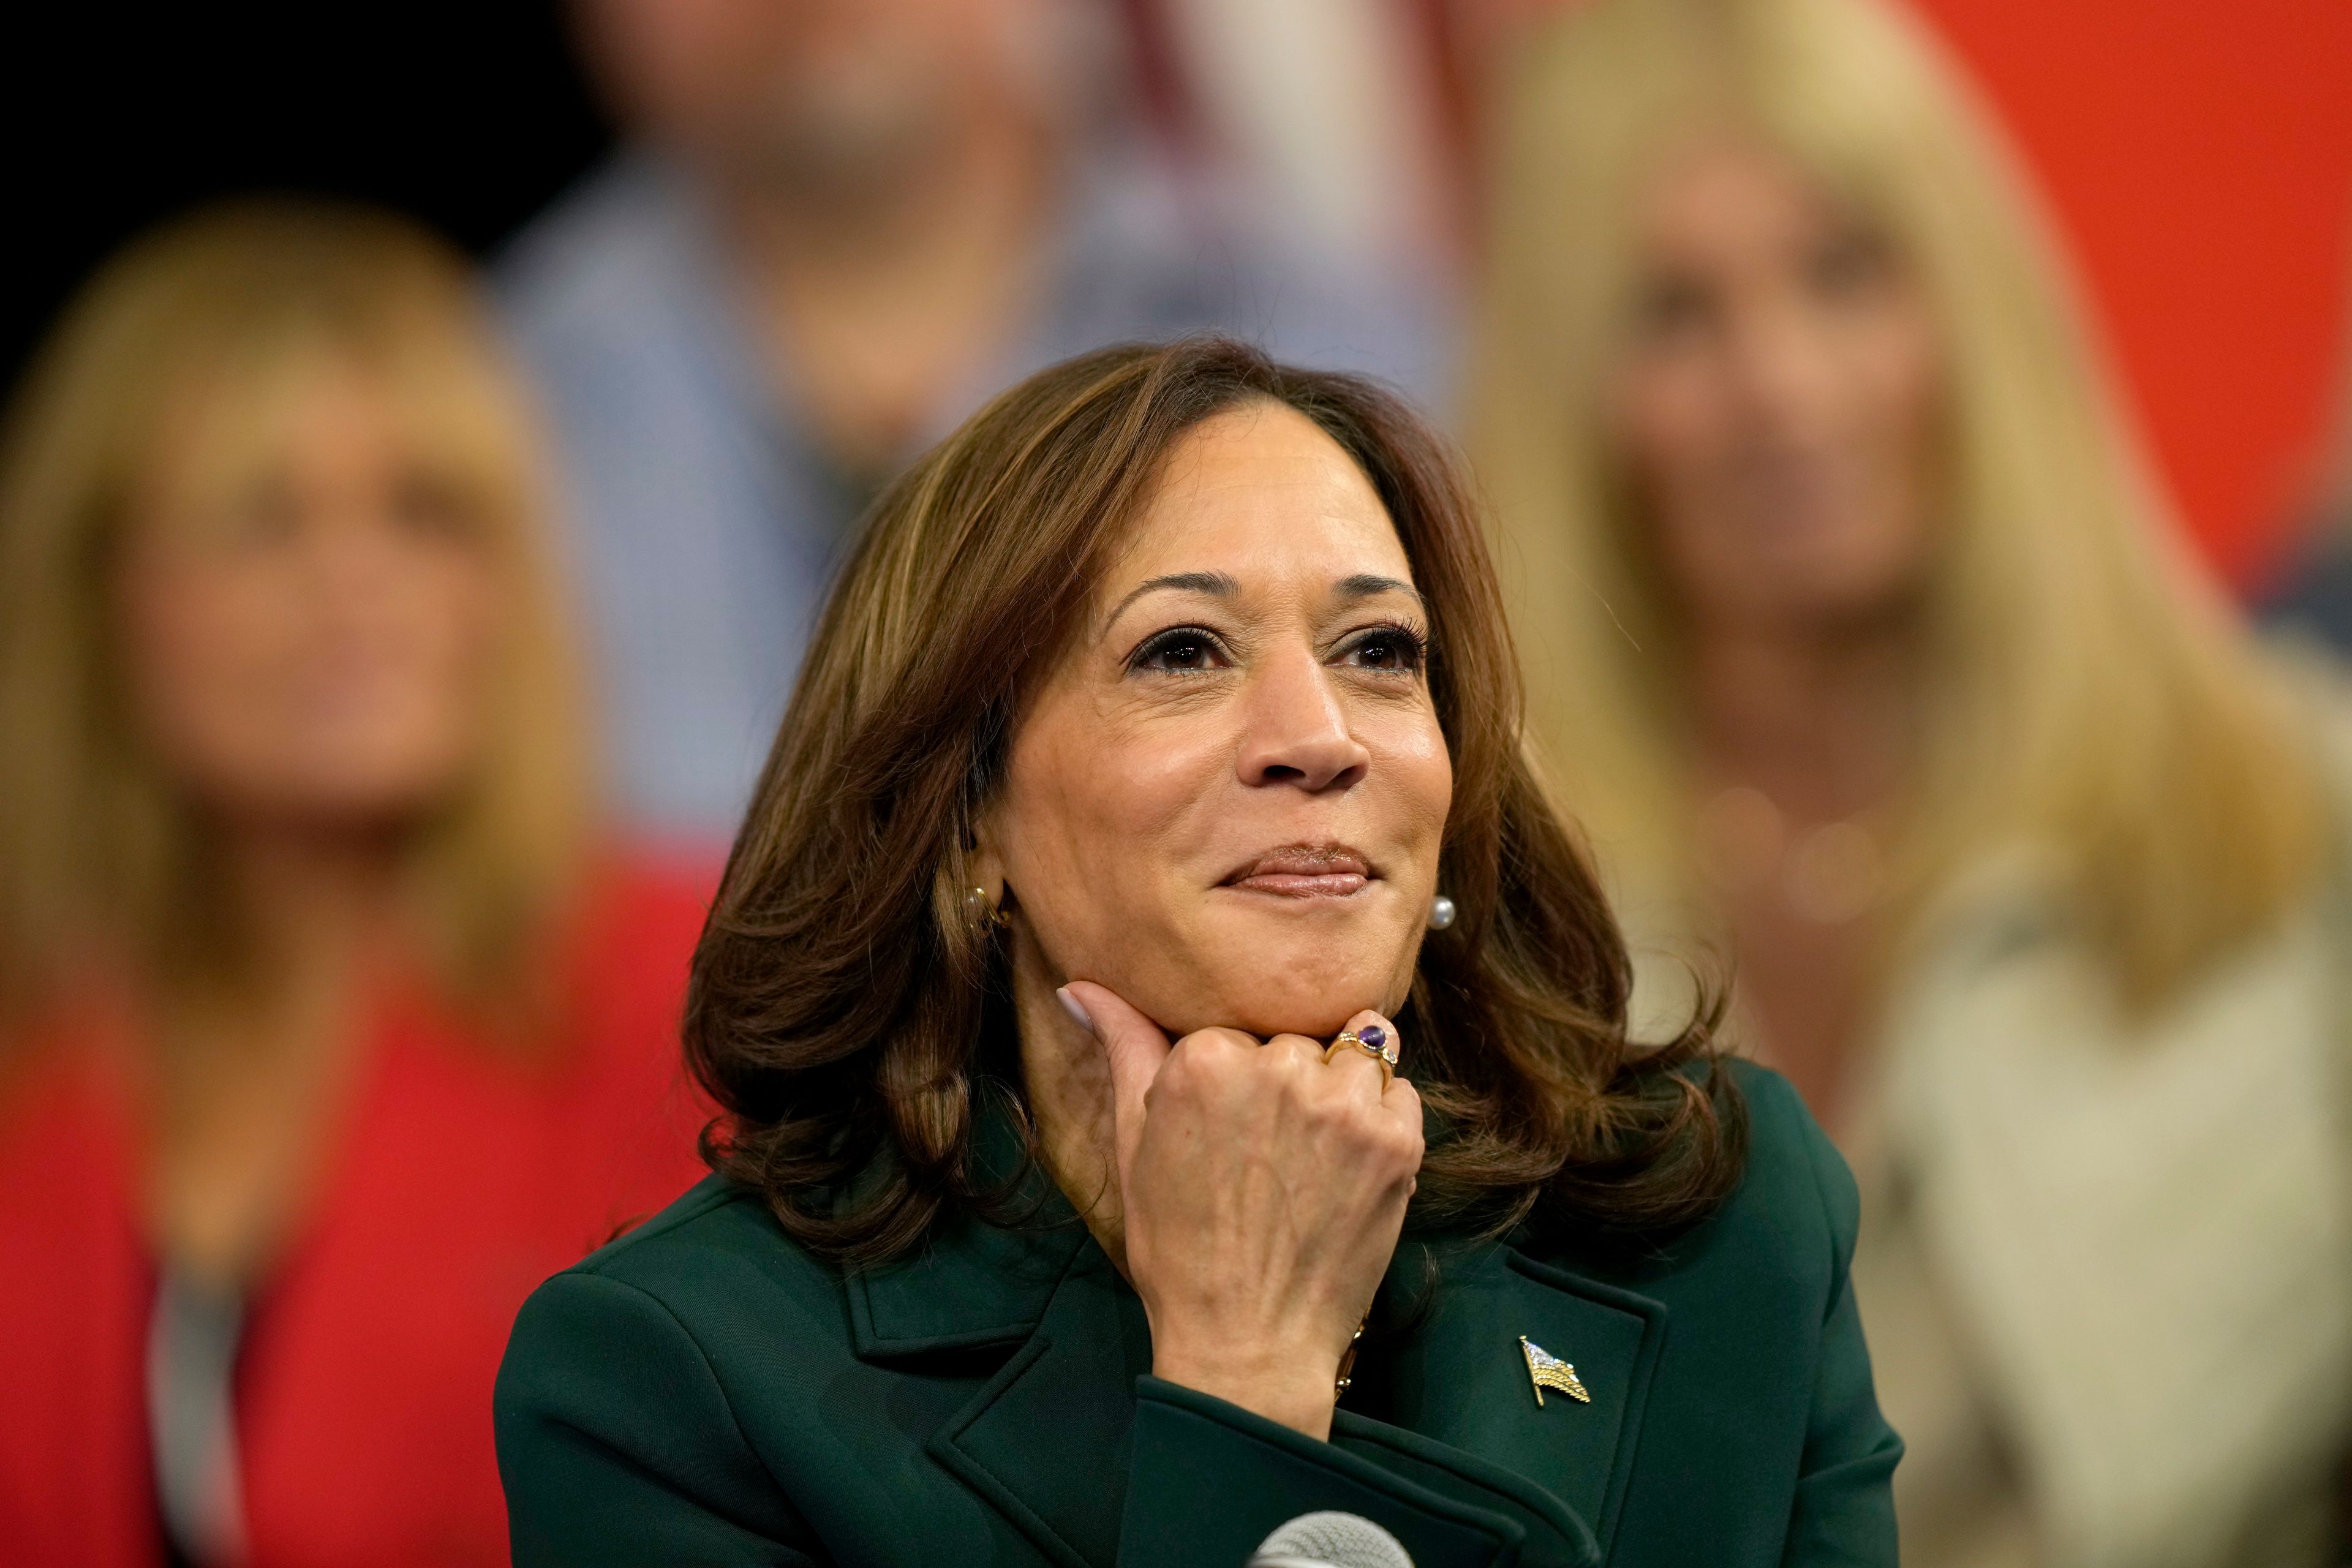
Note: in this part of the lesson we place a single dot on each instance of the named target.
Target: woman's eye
(1671, 308)
(1847, 267)
(1391, 649)
(427, 507)
(1179, 650)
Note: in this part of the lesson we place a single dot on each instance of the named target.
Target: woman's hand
(1262, 1192)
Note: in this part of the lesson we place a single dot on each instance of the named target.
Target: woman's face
(1225, 802)
(1775, 402)
(306, 615)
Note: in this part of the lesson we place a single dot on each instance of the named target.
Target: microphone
(1330, 1540)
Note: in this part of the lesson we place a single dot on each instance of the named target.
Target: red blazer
(458, 1179)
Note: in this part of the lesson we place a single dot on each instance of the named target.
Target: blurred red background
(2199, 160)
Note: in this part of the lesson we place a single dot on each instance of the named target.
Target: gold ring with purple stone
(1374, 1041)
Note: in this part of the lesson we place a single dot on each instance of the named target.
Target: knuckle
(1401, 1139)
(1208, 1055)
(1200, 1044)
(1294, 1050)
(1302, 1062)
(1187, 1070)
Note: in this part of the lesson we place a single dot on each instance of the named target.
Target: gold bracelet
(1347, 1361)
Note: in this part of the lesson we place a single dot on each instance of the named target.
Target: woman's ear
(985, 865)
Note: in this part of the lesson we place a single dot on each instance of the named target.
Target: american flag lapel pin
(1546, 1370)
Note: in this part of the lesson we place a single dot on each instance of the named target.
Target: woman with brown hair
(1174, 1071)
(328, 1026)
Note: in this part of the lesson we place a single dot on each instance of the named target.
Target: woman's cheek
(1426, 769)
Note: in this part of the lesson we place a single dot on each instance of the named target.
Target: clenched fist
(1262, 1190)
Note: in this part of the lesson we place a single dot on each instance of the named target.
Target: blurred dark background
(468, 116)
(2198, 157)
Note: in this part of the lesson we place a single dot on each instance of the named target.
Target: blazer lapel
(1461, 1379)
(1045, 1440)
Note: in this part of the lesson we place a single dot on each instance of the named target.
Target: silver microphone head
(1330, 1540)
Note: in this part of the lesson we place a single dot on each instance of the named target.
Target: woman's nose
(1297, 732)
(355, 554)
(1784, 370)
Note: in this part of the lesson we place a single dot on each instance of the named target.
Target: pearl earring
(1441, 912)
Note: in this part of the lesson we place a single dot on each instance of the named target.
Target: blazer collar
(972, 1284)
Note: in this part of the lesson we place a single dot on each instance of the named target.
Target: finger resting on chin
(1216, 1043)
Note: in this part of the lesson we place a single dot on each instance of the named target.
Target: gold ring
(1382, 1049)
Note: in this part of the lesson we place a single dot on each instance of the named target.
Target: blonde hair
(2088, 693)
(98, 859)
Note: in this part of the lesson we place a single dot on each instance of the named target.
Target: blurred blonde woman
(1906, 703)
(307, 937)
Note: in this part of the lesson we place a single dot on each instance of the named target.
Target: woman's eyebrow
(1217, 583)
(1366, 585)
(1362, 586)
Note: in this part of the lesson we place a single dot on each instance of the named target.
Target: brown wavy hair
(849, 1021)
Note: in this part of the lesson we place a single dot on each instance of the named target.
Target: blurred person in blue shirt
(835, 226)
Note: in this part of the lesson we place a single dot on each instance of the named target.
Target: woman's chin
(1273, 998)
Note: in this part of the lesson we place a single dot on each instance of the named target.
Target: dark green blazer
(703, 1391)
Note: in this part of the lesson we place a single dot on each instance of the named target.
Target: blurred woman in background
(2027, 868)
(307, 941)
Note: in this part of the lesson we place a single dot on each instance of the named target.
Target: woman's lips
(1304, 871)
